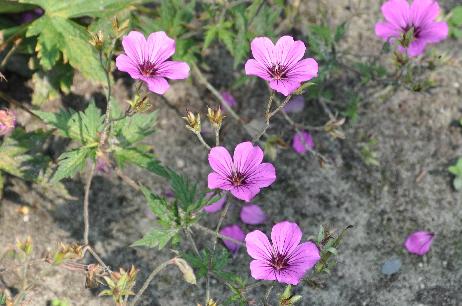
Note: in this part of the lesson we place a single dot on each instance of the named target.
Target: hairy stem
(215, 239)
(86, 203)
(193, 243)
(149, 280)
(201, 139)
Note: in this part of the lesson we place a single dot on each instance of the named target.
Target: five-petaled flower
(147, 60)
(281, 64)
(244, 174)
(285, 260)
(414, 25)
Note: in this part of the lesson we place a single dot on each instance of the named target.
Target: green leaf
(20, 154)
(457, 183)
(227, 37)
(185, 191)
(69, 163)
(58, 35)
(81, 126)
(79, 8)
(138, 157)
(135, 128)
(210, 35)
(340, 32)
(456, 16)
(158, 206)
(456, 169)
(157, 237)
(8, 7)
(48, 84)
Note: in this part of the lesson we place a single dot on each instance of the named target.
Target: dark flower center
(279, 261)
(147, 69)
(278, 72)
(237, 179)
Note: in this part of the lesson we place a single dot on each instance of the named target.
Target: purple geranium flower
(147, 60)
(419, 17)
(252, 214)
(216, 206)
(244, 174)
(229, 99)
(285, 260)
(281, 64)
(235, 232)
(302, 142)
(419, 242)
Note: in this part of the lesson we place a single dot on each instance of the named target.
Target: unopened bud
(407, 38)
(215, 117)
(103, 163)
(193, 122)
(25, 245)
(185, 268)
(333, 128)
(7, 122)
(97, 40)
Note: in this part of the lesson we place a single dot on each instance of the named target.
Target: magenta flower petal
(173, 70)
(419, 242)
(159, 47)
(146, 60)
(244, 174)
(259, 269)
(7, 121)
(247, 157)
(420, 16)
(235, 232)
(158, 85)
(295, 105)
(214, 207)
(285, 236)
(302, 142)
(281, 64)
(229, 99)
(252, 214)
(285, 260)
(258, 245)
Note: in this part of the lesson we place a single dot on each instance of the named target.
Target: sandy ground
(410, 190)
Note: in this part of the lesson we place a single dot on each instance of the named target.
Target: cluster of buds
(333, 128)
(215, 116)
(287, 299)
(193, 122)
(139, 104)
(67, 251)
(119, 28)
(407, 38)
(25, 246)
(7, 121)
(120, 284)
(97, 40)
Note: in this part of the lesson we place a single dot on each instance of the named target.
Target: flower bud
(333, 128)
(7, 122)
(97, 40)
(25, 245)
(407, 38)
(139, 104)
(103, 163)
(193, 122)
(185, 268)
(215, 117)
